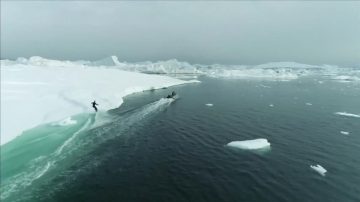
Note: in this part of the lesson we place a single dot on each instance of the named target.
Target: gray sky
(198, 32)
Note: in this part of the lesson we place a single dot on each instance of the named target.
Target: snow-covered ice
(344, 132)
(347, 114)
(318, 168)
(38, 90)
(209, 104)
(260, 143)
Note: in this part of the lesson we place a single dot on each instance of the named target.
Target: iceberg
(255, 144)
(318, 168)
(348, 114)
(35, 91)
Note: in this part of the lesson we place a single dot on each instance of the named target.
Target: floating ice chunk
(209, 104)
(346, 78)
(66, 122)
(308, 103)
(250, 144)
(318, 168)
(347, 114)
(271, 105)
(344, 132)
(264, 86)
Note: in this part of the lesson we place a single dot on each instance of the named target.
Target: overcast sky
(230, 32)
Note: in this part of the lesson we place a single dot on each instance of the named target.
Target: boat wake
(63, 146)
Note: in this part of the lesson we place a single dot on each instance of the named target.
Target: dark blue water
(177, 152)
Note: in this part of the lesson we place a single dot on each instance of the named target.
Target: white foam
(344, 132)
(318, 168)
(68, 141)
(347, 114)
(209, 104)
(308, 103)
(66, 122)
(42, 171)
(271, 105)
(250, 144)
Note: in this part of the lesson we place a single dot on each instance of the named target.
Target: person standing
(94, 105)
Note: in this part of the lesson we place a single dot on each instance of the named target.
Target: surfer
(94, 105)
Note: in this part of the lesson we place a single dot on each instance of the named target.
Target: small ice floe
(209, 104)
(346, 78)
(255, 144)
(66, 122)
(271, 105)
(318, 168)
(308, 103)
(264, 86)
(344, 132)
(347, 114)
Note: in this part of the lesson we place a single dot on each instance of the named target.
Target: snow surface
(38, 90)
(250, 144)
(347, 114)
(318, 168)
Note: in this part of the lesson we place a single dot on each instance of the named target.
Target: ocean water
(154, 149)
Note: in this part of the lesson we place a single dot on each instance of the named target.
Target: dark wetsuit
(94, 105)
(172, 95)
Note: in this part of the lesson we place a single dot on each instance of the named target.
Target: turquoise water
(151, 149)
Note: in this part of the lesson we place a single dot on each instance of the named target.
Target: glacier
(35, 91)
